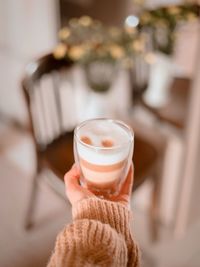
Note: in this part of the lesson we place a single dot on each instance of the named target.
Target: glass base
(99, 192)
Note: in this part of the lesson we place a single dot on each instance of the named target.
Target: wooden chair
(56, 150)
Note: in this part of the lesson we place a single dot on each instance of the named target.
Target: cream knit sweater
(99, 236)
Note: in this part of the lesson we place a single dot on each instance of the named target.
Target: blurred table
(175, 111)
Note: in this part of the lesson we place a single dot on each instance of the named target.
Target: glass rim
(119, 122)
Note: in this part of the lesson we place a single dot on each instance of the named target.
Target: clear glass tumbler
(103, 150)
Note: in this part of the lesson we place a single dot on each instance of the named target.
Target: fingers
(128, 184)
(74, 191)
(72, 186)
(72, 178)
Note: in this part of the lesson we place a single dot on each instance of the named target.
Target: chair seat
(58, 156)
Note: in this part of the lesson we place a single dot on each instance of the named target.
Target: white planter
(160, 81)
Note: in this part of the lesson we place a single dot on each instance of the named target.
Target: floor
(18, 247)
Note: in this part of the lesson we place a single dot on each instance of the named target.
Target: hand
(75, 192)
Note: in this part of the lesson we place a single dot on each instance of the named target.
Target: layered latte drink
(103, 150)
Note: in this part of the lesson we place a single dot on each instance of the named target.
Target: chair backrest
(42, 85)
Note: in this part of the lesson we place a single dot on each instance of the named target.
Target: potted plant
(99, 50)
(162, 24)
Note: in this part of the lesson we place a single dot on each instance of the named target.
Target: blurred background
(64, 61)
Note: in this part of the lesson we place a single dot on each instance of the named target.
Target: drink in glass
(103, 150)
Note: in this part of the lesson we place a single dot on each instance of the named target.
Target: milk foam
(104, 130)
(101, 130)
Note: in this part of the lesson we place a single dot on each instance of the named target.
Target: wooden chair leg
(32, 201)
(154, 205)
(154, 213)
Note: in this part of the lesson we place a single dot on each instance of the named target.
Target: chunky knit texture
(99, 236)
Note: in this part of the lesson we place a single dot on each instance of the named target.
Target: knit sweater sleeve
(99, 236)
